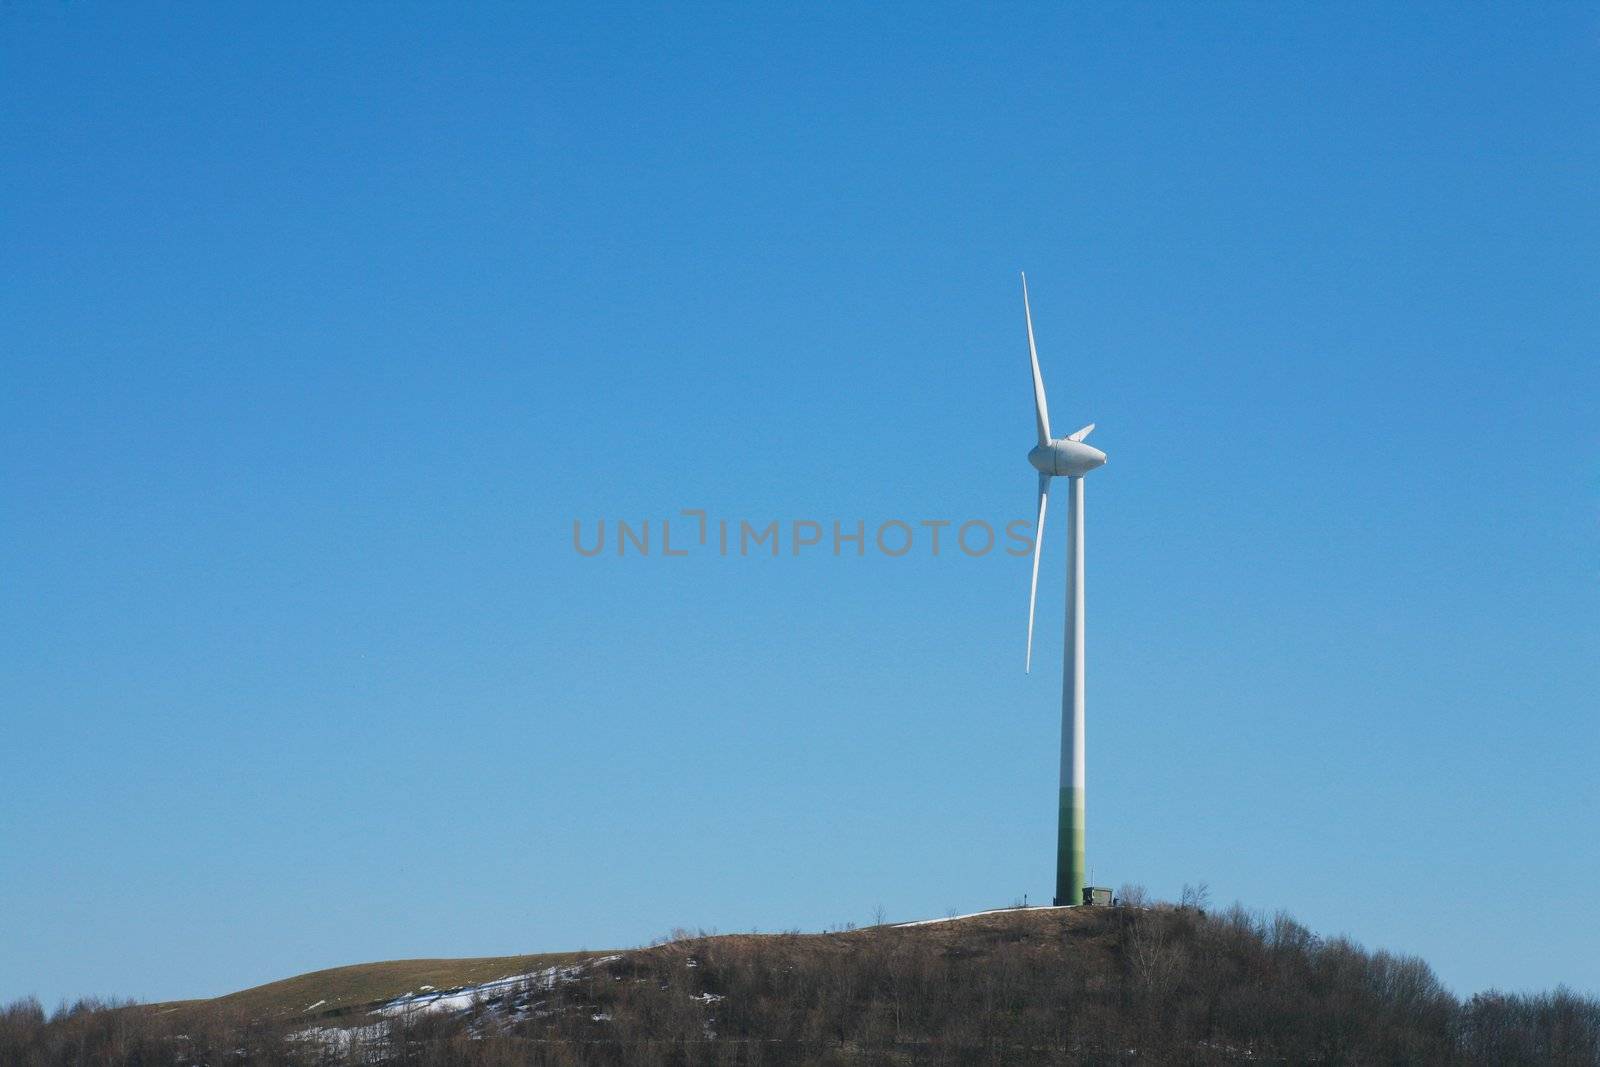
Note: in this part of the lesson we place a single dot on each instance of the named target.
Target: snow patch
(463, 998)
(975, 914)
(501, 998)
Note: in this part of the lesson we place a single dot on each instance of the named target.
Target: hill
(1045, 985)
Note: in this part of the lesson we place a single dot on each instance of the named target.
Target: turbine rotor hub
(1065, 457)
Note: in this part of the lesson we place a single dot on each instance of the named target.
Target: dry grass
(345, 991)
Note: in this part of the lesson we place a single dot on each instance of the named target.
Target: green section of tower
(1071, 875)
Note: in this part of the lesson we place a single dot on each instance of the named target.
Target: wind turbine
(1063, 457)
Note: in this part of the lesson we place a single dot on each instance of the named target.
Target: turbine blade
(1041, 410)
(1038, 543)
(1079, 435)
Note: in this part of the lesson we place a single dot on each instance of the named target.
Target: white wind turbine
(1070, 458)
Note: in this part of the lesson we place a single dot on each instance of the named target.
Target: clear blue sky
(319, 329)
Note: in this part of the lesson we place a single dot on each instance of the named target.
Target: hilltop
(1044, 985)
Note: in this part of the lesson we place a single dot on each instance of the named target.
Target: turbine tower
(1068, 457)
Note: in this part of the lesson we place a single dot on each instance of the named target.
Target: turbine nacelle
(1066, 456)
